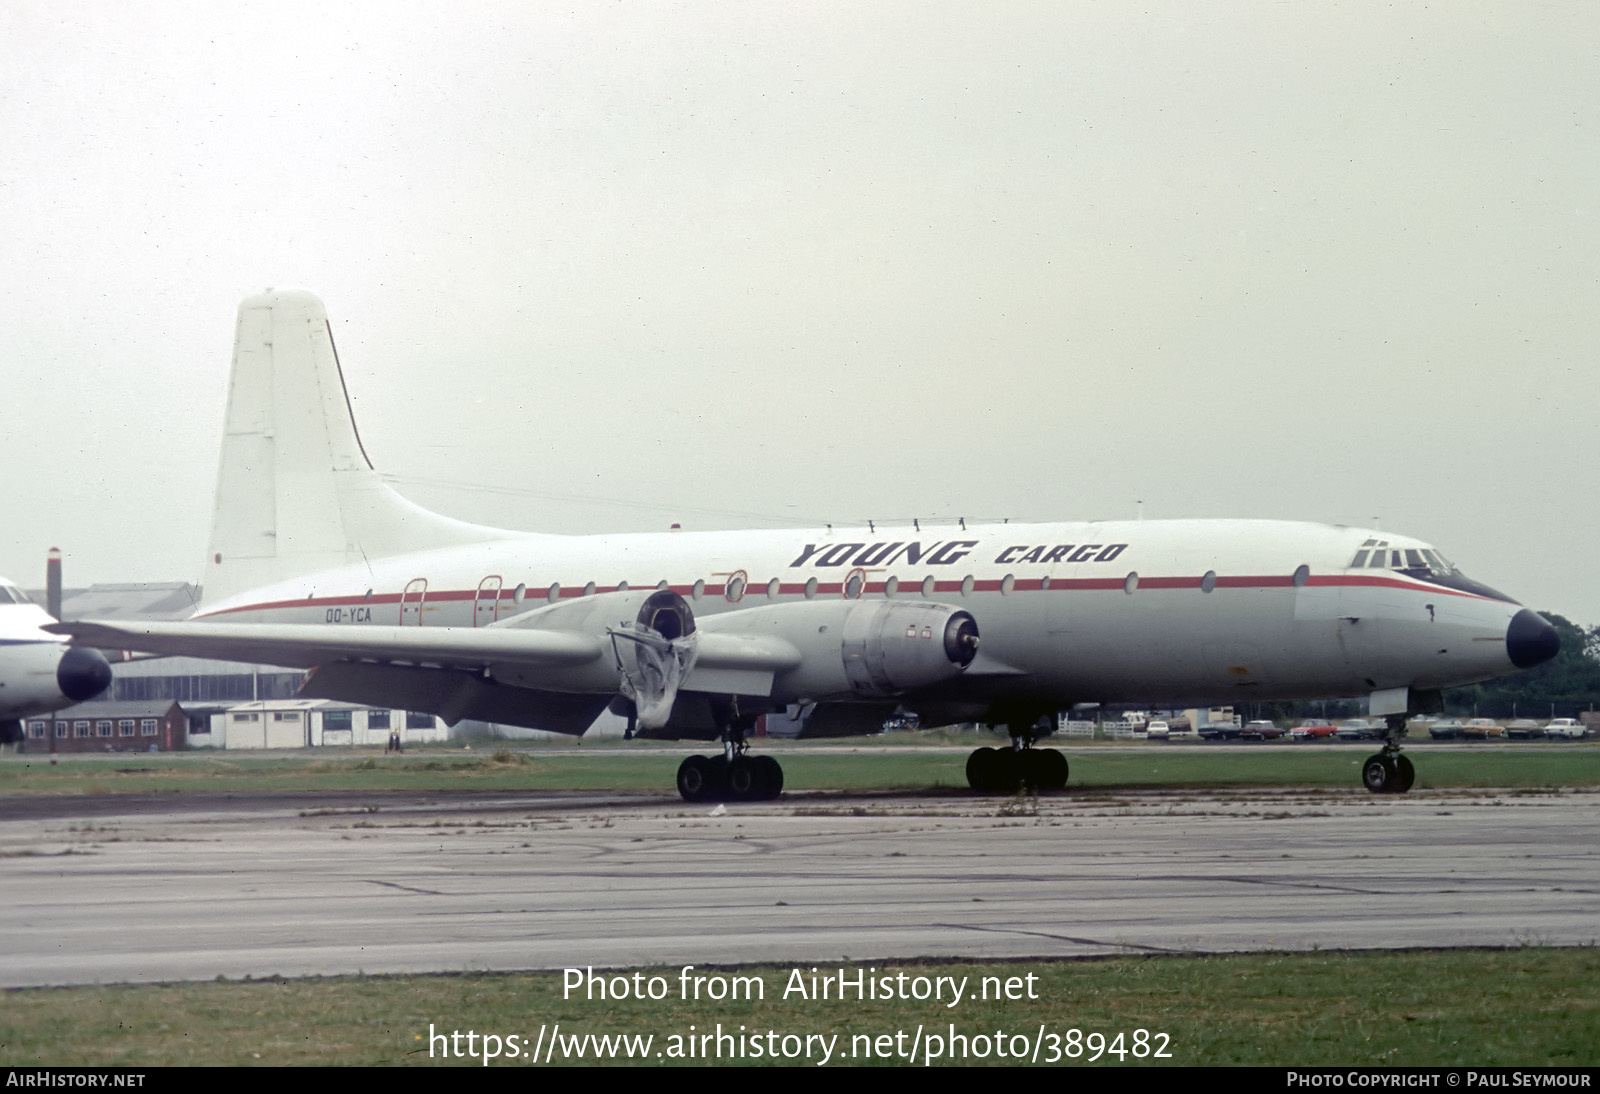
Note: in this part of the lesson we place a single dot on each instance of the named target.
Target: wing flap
(454, 694)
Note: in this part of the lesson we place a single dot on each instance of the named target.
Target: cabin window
(1208, 582)
(891, 586)
(1130, 583)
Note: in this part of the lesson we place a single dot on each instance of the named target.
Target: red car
(1312, 731)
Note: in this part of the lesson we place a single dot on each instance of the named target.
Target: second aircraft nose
(82, 673)
(1531, 640)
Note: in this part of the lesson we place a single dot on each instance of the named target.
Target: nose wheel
(1385, 774)
(1388, 772)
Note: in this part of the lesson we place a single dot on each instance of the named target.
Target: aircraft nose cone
(82, 673)
(1531, 640)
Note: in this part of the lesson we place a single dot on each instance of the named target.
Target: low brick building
(159, 725)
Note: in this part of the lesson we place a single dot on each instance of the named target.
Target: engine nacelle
(891, 647)
(638, 632)
(854, 648)
(650, 645)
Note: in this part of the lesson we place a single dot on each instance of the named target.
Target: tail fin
(295, 490)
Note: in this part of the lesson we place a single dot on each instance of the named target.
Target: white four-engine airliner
(39, 672)
(316, 563)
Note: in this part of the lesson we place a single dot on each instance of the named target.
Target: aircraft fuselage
(1135, 611)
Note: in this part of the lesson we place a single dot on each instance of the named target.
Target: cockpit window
(1422, 563)
(6, 597)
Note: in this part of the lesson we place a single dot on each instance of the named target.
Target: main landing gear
(738, 778)
(1388, 772)
(1007, 770)
(733, 776)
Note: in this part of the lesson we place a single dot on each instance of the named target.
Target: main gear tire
(694, 779)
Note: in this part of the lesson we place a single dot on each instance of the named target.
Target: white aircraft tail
(295, 490)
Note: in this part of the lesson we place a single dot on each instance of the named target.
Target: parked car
(1445, 729)
(1524, 728)
(1157, 731)
(1569, 729)
(1261, 731)
(1358, 729)
(1312, 731)
(1222, 731)
(1182, 730)
(1481, 729)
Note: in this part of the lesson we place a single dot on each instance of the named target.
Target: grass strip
(1516, 1007)
(839, 769)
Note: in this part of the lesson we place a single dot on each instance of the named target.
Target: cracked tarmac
(161, 887)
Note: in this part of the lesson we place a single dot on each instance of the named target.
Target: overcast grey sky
(741, 264)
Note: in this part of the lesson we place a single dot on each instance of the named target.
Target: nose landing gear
(1388, 772)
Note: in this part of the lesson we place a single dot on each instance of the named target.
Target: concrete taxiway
(151, 888)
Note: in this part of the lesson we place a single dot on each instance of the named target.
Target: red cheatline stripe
(908, 589)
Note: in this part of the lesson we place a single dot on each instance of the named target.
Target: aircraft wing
(300, 645)
(556, 667)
